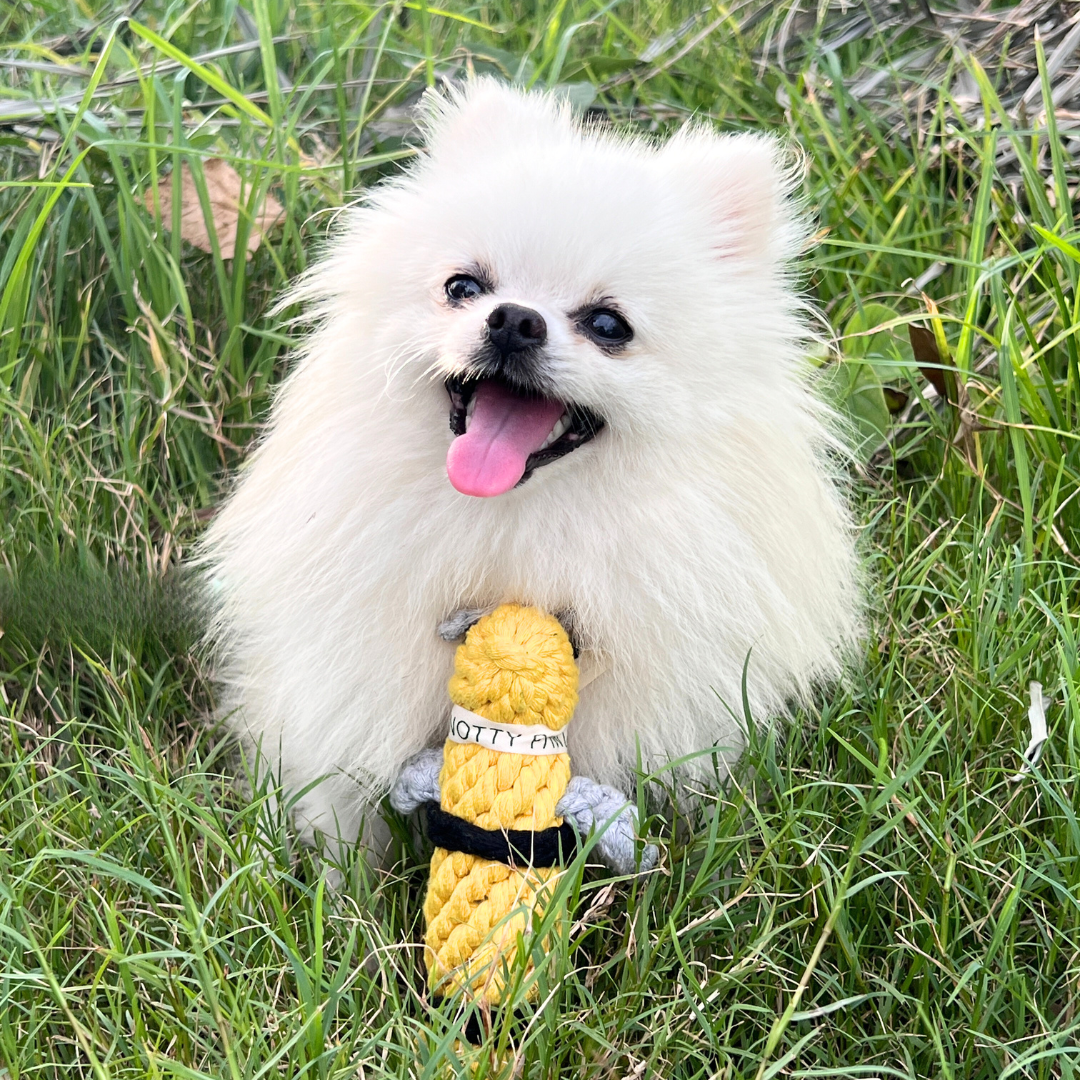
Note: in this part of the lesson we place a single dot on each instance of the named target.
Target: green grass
(871, 897)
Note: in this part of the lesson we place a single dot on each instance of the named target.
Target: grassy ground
(874, 898)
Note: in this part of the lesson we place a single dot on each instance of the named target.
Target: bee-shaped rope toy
(502, 809)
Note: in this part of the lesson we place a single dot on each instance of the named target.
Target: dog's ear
(741, 183)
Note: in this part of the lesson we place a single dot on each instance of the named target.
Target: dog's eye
(607, 327)
(462, 287)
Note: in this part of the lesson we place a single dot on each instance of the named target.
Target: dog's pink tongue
(504, 430)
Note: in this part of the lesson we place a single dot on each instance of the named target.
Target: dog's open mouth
(503, 434)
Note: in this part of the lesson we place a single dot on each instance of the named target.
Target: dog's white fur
(700, 526)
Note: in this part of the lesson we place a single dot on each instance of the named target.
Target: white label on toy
(468, 727)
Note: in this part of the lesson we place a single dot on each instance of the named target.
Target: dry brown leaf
(225, 190)
(928, 357)
(940, 372)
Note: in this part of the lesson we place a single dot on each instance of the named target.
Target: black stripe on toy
(515, 847)
(475, 1034)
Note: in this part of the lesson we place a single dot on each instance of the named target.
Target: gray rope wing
(588, 805)
(418, 781)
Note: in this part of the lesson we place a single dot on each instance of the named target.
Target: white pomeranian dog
(553, 365)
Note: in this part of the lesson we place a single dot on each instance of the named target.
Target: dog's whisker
(396, 361)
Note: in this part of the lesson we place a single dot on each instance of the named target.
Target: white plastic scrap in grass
(1037, 719)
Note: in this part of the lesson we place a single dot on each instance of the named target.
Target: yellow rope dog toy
(497, 794)
(515, 671)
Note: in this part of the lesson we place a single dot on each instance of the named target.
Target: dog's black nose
(512, 328)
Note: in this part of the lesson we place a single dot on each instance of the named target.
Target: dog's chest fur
(673, 582)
